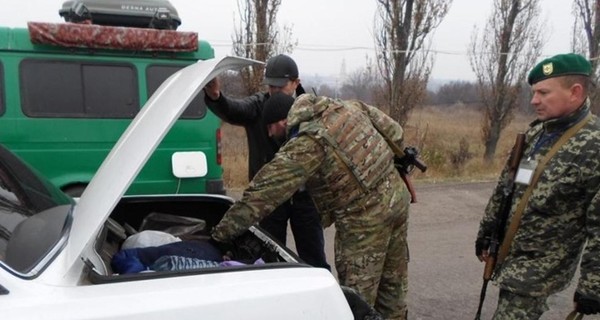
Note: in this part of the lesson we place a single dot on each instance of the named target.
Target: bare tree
(586, 39)
(327, 90)
(501, 56)
(400, 34)
(362, 84)
(258, 37)
(456, 92)
(231, 84)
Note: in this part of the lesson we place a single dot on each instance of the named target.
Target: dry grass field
(449, 139)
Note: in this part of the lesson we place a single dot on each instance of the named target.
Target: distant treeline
(449, 93)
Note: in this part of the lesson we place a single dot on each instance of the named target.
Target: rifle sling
(574, 315)
(516, 219)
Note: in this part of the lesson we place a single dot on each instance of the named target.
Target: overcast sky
(330, 33)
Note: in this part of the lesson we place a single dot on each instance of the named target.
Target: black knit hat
(276, 108)
(279, 70)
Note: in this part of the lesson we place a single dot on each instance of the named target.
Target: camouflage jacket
(562, 213)
(334, 151)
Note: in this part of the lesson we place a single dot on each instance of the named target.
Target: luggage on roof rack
(73, 35)
(156, 14)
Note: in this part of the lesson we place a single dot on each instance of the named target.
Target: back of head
(276, 108)
(279, 70)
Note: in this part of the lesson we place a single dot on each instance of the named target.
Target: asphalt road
(445, 277)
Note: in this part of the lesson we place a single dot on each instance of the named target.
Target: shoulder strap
(516, 220)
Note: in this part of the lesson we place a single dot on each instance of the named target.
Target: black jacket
(247, 112)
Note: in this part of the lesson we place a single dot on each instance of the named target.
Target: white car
(55, 253)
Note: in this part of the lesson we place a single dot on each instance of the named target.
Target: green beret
(560, 65)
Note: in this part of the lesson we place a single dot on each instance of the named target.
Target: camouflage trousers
(371, 256)
(512, 306)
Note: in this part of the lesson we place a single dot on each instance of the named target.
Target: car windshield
(34, 216)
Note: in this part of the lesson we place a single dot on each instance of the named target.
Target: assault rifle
(406, 164)
(495, 239)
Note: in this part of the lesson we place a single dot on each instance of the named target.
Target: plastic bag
(179, 226)
(149, 238)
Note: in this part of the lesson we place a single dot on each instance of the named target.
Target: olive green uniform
(347, 167)
(562, 213)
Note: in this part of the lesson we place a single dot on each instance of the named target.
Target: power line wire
(347, 48)
(332, 48)
(341, 48)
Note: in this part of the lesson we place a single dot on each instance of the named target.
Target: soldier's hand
(225, 248)
(213, 89)
(586, 305)
(481, 248)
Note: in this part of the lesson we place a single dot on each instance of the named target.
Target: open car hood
(133, 149)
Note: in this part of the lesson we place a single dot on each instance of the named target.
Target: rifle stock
(490, 263)
(502, 216)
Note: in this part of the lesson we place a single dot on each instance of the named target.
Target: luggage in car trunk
(156, 14)
(189, 218)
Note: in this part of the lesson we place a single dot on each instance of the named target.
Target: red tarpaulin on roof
(78, 35)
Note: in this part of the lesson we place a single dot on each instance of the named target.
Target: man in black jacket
(281, 75)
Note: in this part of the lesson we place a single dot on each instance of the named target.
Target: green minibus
(68, 91)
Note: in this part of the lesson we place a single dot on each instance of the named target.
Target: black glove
(248, 248)
(360, 308)
(586, 305)
(481, 244)
(225, 248)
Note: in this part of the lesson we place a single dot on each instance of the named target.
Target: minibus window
(73, 89)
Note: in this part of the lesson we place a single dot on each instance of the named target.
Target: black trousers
(305, 223)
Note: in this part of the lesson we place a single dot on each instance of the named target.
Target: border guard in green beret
(554, 214)
(338, 153)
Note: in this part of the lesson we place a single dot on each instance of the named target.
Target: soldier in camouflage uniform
(335, 151)
(561, 219)
(281, 75)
